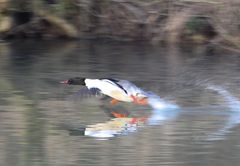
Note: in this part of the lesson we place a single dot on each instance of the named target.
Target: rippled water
(195, 120)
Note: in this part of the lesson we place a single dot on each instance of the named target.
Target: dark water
(45, 123)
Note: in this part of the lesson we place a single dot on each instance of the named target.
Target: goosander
(118, 90)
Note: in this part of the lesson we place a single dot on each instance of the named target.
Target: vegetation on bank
(199, 21)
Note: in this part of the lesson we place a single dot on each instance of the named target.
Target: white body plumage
(118, 89)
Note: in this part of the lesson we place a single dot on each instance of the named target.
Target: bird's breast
(121, 96)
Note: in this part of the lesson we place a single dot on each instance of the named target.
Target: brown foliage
(158, 20)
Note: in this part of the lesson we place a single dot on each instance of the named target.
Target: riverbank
(193, 21)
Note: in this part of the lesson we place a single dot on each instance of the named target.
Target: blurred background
(174, 21)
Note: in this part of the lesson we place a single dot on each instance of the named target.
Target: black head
(75, 81)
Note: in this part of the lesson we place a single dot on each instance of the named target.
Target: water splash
(158, 103)
(232, 101)
(162, 110)
(233, 120)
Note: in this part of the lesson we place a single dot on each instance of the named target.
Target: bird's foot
(118, 115)
(141, 101)
(114, 102)
(138, 120)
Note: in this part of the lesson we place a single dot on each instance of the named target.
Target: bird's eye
(70, 81)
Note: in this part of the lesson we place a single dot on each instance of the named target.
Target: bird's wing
(115, 82)
(131, 88)
(86, 93)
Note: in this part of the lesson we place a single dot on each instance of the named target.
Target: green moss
(197, 25)
(193, 24)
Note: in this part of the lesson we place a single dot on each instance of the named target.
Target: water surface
(45, 123)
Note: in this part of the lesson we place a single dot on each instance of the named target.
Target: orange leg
(114, 102)
(141, 101)
(138, 120)
(134, 99)
(118, 115)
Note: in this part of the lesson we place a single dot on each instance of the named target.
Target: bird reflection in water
(122, 123)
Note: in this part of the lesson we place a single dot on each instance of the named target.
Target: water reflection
(162, 111)
(123, 124)
(38, 124)
(111, 128)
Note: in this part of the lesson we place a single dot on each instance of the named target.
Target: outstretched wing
(115, 82)
(132, 89)
(86, 93)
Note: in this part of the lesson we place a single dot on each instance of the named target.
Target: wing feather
(115, 82)
(85, 92)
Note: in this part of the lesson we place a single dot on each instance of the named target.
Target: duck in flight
(118, 90)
